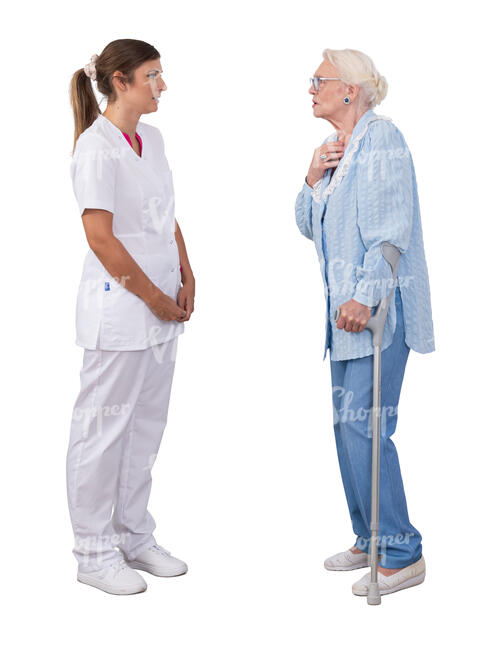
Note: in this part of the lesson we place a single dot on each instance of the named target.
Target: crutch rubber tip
(374, 597)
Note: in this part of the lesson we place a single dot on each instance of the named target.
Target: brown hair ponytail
(124, 55)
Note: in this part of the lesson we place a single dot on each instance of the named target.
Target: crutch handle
(376, 322)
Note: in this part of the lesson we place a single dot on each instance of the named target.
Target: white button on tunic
(108, 174)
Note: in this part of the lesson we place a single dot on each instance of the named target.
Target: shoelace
(159, 549)
(118, 566)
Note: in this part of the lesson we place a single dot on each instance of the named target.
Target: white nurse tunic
(108, 174)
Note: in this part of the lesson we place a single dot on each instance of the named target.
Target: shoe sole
(128, 591)
(154, 571)
(411, 582)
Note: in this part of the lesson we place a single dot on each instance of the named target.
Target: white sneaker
(158, 561)
(346, 561)
(409, 576)
(118, 578)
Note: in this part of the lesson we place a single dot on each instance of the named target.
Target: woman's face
(328, 100)
(143, 94)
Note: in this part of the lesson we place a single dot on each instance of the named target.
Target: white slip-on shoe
(158, 561)
(409, 576)
(346, 561)
(118, 579)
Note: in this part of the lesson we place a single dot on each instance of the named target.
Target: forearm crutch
(376, 325)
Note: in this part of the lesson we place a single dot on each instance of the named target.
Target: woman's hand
(186, 298)
(353, 316)
(334, 152)
(164, 307)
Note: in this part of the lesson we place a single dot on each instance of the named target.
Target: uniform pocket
(89, 304)
(124, 316)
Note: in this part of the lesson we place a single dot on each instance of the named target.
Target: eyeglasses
(315, 81)
(154, 74)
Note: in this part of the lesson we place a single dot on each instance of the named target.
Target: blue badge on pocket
(107, 286)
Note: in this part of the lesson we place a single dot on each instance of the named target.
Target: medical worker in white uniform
(137, 290)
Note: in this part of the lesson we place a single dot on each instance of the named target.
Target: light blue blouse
(371, 198)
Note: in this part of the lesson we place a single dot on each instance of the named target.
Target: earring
(346, 100)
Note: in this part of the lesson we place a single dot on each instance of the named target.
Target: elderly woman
(360, 191)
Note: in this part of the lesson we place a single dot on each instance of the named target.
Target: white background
(246, 487)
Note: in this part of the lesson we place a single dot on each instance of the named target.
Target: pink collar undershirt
(138, 140)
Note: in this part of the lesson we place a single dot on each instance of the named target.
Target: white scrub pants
(117, 425)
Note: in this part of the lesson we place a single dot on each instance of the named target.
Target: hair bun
(381, 89)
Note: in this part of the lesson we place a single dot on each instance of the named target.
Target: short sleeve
(93, 173)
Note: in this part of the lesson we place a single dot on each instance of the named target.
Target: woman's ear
(119, 81)
(352, 91)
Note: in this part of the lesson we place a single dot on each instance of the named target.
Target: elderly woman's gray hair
(356, 68)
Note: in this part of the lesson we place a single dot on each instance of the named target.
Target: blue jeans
(400, 544)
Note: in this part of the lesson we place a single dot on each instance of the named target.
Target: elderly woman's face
(328, 99)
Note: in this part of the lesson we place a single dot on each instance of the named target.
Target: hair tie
(90, 69)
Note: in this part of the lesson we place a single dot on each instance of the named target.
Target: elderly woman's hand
(334, 152)
(353, 316)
